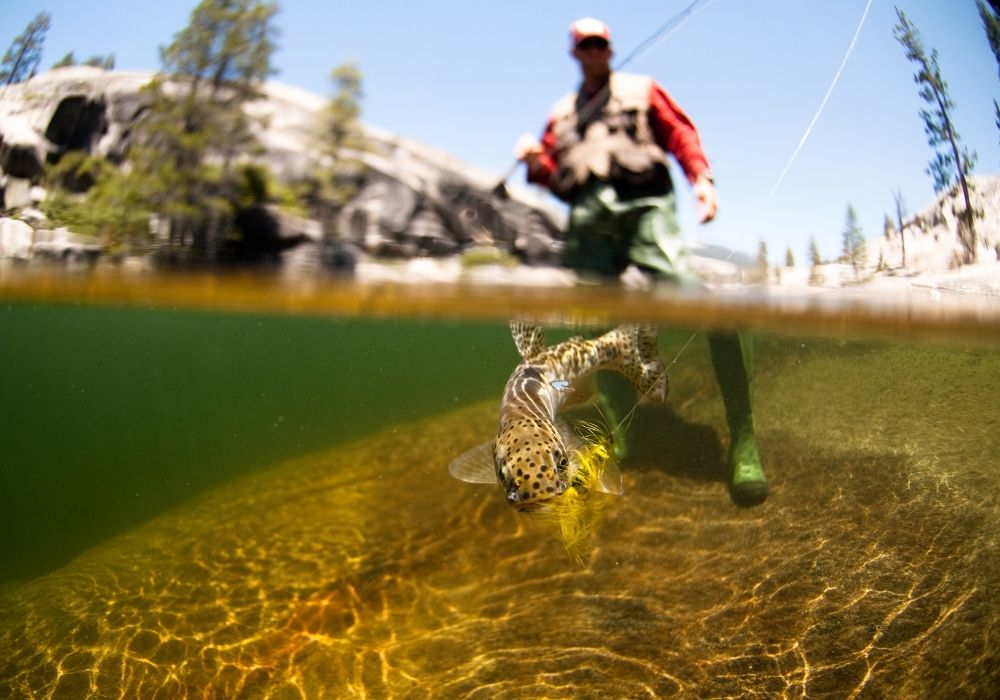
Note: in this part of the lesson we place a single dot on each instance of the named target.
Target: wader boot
(731, 358)
(607, 233)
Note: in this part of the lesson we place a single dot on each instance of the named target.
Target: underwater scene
(255, 501)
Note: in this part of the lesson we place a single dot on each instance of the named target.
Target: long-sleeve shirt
(675, 133)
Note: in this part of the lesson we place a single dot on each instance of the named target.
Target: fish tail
(529, 339)
(642, 364)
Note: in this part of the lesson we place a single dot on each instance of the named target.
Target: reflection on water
(358, 568)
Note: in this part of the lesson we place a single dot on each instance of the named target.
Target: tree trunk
(899, 220)
(968, 235)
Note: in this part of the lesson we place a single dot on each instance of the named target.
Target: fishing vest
(609, 138)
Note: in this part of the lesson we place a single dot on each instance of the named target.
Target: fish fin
(611, 478)
(475, 466)
(642, 364)
(528, 338)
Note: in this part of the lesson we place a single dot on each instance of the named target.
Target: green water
(111, 415)
(198, 503)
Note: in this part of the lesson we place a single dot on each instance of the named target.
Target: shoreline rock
(414, 202)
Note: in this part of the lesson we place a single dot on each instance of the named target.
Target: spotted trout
(535, 456)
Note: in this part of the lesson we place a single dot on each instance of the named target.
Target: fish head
(532, 462)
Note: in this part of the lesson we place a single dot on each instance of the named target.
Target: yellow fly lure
(575, 514)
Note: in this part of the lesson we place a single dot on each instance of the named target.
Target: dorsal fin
(529, 339)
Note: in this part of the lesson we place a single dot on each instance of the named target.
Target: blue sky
(470, 77)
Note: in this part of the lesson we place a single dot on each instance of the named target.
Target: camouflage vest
(609, 138)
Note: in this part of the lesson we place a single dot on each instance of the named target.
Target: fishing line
(788, 165)
(668, 28)
(822, 104)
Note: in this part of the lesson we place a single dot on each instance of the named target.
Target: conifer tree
(68, 60)
(105, 62)
(183, 149)
(989, 12)
(900, 213)
(789, 258)
(815, 261)
(21, 60)
(761, 268)
(854, 241)
(951, 160)
(344, 132)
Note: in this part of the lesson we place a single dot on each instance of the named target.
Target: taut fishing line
(822, 104)
(677, 22)
(664, 31)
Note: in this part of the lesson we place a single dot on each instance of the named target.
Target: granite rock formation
(413, 200)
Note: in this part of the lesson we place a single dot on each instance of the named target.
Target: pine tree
(815, 261)
(105, 62)
(21, 61)
(183, 150)
(68, 60)
(761, 267)
(854, 241)
(951, 159)
(900, 213)
(343, 132)
(789, 258)
(989, 12)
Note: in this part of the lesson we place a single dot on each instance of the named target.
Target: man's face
(594, 56)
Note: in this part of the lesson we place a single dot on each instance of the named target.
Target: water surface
(243, 502)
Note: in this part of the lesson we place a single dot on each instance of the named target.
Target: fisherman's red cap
(586, 28)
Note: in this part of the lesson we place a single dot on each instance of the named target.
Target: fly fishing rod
(594, 103)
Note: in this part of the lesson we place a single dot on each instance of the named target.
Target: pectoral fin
(611, 479)
(475, 466)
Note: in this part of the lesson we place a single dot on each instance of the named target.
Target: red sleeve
(676, 133)
(547, 163)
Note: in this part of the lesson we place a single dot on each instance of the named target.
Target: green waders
(605, 235)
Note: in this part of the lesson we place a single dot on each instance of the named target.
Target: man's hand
(706, 198)
(528, 149)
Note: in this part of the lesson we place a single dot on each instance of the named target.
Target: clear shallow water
(227, 503)
(113, 414)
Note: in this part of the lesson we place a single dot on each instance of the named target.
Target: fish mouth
(514, 499)
(529, 507)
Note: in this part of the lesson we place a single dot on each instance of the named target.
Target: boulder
(411, 199)
(16, 193)
(265, 232)
(16, 239)
(63, 246)
(22, 148)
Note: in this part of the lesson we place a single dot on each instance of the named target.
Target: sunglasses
(593, 42)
